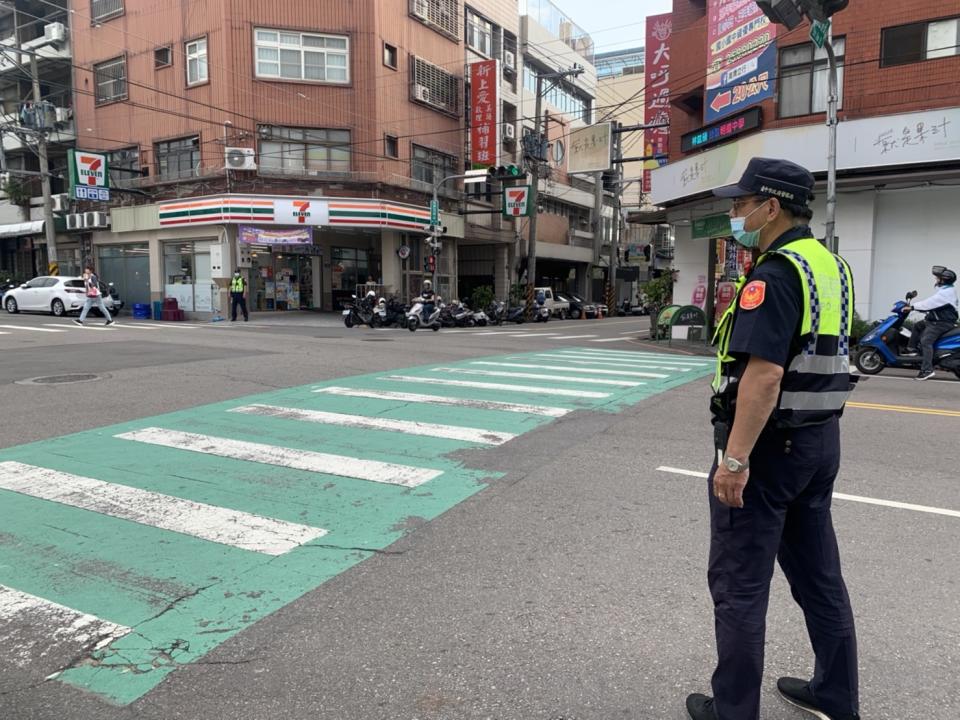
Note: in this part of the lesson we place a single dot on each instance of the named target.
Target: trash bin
(157, 309)
(141, 311)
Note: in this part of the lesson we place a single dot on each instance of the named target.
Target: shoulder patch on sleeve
(753, 295)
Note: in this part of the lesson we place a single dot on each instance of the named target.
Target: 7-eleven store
(296, 253)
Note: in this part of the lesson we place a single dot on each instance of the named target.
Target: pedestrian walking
(94, 298)
(238, 296)
(781, 384)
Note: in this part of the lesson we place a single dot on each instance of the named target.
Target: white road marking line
(568, 368)
(638, 354)
(341, 465)
(33, 329)
(538, 335)
(4, 333)
(670, 359)
(844, 496)
(583, 360)
(137, 327)
(946, 378)
(443, 400)
(572, 337)
(208, 522)
(607, 340)
(630, 332)
(538, 376)
(499, 386)
(72, 326)
(449, 432)
(60, 624)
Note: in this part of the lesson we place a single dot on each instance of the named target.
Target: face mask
(747, 238)
(236, 274)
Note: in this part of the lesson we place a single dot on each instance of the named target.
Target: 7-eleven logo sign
(301, 210)
(516, 201)
(91, 169)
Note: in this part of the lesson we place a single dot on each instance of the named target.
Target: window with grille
(430, 166)
(435, 87)
(303, 151)
(110, 79)
(105, 9)
(920, 41)
(196, 54)
(391, 146)
(804, 82)
(178, 158)
(283, 55)
(162, 57)
(442, 15)
(124, 165)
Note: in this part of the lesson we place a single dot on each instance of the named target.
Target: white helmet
(371, 293)
(427, 285)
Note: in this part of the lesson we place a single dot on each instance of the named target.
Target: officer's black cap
(781, 179)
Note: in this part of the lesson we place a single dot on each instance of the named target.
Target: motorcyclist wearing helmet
(941, 310)
(428, 299)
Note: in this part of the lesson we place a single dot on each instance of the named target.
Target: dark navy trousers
(786, 515)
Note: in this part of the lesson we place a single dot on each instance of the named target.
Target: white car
(55, 295)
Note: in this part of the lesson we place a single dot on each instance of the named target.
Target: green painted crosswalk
(147, 544)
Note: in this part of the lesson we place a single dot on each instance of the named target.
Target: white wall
(915, 229)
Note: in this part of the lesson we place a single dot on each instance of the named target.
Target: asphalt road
(572, 585)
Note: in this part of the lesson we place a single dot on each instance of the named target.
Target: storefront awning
(647, 217)
(17, 229)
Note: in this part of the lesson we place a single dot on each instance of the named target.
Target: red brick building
(899, 138)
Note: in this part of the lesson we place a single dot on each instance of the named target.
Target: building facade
(297, 141)
(898, 139)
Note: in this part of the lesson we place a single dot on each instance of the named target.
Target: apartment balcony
(64, 131)
(54, 44)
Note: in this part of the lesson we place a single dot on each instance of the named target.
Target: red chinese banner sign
(657, 91)
(484, 112)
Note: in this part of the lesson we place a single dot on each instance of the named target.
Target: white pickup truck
(557, 307)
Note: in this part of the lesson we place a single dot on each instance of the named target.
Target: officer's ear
(775, 209)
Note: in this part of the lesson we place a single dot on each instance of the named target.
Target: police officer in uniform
(238, 296)
(781, 383)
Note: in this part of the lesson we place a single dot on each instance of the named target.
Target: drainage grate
(60, 379)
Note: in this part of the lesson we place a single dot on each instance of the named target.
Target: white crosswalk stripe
(504, 387)
(627, 354)
(647, 364)
(30, 626)
(443, 400)
(572, 337)
(208, 522)
(540, 376)
(341, 465)
(449, 432)
(570, 368)
(637, 359)
(30, 328)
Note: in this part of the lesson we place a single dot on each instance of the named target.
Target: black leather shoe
(797, 692)
(700, 707)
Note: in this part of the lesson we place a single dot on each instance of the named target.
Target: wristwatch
(734, 465)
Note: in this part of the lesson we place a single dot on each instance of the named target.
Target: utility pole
(535, 178)
(50, 231)
(615, 229)
(597, 227)
(830, 236)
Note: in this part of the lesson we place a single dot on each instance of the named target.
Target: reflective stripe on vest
(236, 285)
(817, 383)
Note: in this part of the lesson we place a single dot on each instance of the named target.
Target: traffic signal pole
(534, 201)
(830, 234)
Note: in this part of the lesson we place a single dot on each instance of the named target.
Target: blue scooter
(883, 347)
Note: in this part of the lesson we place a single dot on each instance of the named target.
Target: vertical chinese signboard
(484, 112)
(657, 105)
(741, 57)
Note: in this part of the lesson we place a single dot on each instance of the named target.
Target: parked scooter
(541, 313)
(516, 314)
(392, 312)
(361, 312)
(884, 346)
(416, 316)
(463, 316)
(496, 313)
(480, 318)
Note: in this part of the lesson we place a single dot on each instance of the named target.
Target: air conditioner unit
(64, 115)
(92, 220)
(5, 179)
(241, 158)
(509, 131)
(421, 93)
(61, 202)
(420, 9)
(75, 221)
(55, 32)
(509, 60)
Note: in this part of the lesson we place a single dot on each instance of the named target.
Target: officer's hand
(728, 486)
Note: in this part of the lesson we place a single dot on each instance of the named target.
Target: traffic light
(426, 263)
(790, 13)
(431, 264)
(647, 252)
(506, 172)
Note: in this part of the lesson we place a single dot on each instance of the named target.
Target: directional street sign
(818, 32)
(434, 212)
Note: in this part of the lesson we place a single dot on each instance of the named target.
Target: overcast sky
(613, 24)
